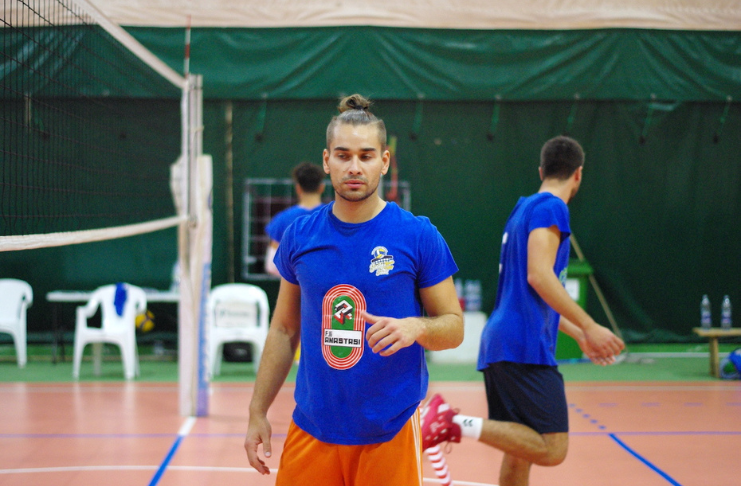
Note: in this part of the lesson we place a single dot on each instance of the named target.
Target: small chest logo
(343, 329)
(562, 276)
(381, 263)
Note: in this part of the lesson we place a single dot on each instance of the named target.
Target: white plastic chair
(115, 329)
(236, 313)
(15, 297)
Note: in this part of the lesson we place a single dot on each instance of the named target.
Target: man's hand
(388, 335)
(601, 344)
(603, 357)
(595, 357)
(258, 432)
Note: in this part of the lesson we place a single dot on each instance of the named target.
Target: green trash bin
(577, 284)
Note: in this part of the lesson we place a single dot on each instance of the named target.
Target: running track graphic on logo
(343, 329)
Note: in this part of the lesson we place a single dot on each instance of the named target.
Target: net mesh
(89, 123)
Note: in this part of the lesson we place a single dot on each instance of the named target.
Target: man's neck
(310, 201)
(357, 211)
(561, 189)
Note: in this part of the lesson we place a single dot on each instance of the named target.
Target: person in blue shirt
(357, 277)
(528, 417)
(309, 185)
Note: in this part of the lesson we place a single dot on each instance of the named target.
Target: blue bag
(730, 367)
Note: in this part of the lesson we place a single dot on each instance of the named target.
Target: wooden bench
(713, 334)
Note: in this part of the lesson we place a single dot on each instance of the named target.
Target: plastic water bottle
(725, 313)
(472, 292)
(705, 319)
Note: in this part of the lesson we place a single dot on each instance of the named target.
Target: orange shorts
(398, 462)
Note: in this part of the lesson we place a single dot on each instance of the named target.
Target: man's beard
(357, 197)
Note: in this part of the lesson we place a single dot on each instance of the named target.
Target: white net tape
(30, 242)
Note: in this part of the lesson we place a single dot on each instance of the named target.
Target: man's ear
(325, 161)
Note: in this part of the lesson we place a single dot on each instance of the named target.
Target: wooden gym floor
(648, 433)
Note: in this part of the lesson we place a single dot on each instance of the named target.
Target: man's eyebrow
(364, 149)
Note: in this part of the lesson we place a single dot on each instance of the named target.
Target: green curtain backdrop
(659, 213)
(440, 64)
(658, 220)
(74, 61)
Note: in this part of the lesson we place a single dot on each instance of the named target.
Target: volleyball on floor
(145, 321)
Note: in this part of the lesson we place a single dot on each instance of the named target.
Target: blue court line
(622, 444)
(644, 461)
(85, 436)
(627, 432)
(212, 435)
(696, 432)
(233, 435)
(182, 433)
(119, 436)
(161, 470)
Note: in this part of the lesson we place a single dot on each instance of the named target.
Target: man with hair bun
(528, 416)
(357, 275)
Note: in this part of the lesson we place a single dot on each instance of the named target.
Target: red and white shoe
(437, 423)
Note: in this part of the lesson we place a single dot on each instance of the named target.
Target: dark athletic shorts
(531, 395)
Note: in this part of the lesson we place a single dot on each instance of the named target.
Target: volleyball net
(90, 123)
(102, 140)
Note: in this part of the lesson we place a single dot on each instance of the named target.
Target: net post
(194, 245)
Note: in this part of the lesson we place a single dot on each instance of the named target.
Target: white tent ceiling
(452, 14)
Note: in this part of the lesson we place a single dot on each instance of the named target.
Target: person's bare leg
(523, 442)
(514, 471)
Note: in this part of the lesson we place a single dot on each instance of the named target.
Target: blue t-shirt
(345, 393)
(523, 328)
(283, 219)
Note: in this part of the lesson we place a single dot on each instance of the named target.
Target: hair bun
(354, 102)
(354, 110)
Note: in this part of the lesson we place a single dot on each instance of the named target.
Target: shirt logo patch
(343, 329)
(562, 276)
(381, 263)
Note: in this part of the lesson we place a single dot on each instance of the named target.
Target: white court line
(82, 388)
(175, 468)
(187, 426)
(653, 388)
(74, 388)
(439, 386)
(454, 482)
(603, 386)
(34, 470)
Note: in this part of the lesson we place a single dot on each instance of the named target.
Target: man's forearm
(549, 288)
(568, 327)
(441, 332)
(275, 364)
